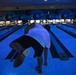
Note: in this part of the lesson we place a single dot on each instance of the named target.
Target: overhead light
(45, 0)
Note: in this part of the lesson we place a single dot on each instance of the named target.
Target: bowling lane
(68, 28)
(4, 45)
(68, 41)
(7, 30)
(71, 25)
(2, 27)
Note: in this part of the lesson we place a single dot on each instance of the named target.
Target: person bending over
(37, 37)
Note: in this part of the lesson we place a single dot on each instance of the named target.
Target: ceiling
(36, 4)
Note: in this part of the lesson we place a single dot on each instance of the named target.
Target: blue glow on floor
(55, 65)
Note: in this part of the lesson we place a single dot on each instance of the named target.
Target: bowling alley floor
(55, 65)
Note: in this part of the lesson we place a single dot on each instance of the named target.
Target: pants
(27, 41)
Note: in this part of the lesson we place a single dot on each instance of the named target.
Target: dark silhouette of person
(37, 37)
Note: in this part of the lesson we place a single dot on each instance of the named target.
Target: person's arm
(28, 28)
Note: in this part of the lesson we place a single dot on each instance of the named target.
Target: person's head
(33, 23)
(47, 27)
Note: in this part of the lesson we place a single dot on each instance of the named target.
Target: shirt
(40, 34)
